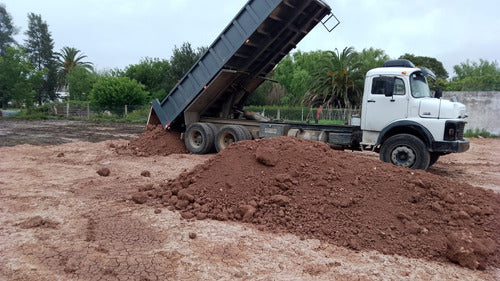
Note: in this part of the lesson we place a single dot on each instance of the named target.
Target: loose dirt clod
(139, 198)
(305, 188)
(467, 251)
(104, 172)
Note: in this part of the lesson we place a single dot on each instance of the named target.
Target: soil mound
(156, 141)
(305, 188)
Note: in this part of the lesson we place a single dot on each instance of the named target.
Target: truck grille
(460, 130)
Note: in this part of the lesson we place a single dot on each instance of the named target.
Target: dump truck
(400, 119)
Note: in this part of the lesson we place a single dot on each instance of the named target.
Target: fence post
(88, 111)
(279, 114)
(302, 118)
(67, 110)
(126, 110)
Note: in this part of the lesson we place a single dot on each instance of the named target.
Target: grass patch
(478, 133)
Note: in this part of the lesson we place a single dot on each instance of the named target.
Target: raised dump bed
(217, 85)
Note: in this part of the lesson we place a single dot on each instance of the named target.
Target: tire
(405, 150)
(245, 132)
(199, 138)
(227, 135)
(434, 158)
(215, 130)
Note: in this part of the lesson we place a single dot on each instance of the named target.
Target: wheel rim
(196, 139)
(227, 139)
(403, 156)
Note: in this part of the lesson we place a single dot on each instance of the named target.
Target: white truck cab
(402, 121)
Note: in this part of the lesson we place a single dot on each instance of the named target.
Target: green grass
(332, 122)
(44, 112)
(476, 133)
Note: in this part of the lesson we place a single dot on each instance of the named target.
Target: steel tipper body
(217, 85)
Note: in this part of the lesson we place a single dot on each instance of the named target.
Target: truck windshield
(419, 86)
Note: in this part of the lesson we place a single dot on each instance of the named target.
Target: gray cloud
(116, 33)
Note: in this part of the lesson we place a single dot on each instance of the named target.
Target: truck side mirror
(389, 86)
(438, 94)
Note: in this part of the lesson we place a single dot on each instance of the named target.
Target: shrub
(116, 92)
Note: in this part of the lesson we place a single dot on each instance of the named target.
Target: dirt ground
(61, 220)
(53, 132)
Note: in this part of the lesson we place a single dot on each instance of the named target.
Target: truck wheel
(199, 138)
(215, 130)
(245, 132)
(405, 150)
(434, 158)
(227, 135)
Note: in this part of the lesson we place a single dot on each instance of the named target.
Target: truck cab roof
(391, 71)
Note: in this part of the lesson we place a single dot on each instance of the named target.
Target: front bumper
(450, 146)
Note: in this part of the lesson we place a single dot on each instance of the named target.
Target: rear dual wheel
(229, 134)
(199, 138)
(202, 138)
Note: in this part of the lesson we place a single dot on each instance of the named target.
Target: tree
(181, 61)
(111, 72)
(334, 81)
(152, 73)
(431, 63)
(80, 81)
(39, 46)
(268, 93)
(369, 59)
(67, 59)
(16, 78)
(294, 74)
(116, 92)
(301, 80)
(476, 76)
(7, 30)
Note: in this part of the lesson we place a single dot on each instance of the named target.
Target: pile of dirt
(155, 141)
(305, 188)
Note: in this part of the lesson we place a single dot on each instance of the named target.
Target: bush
(37, 112)
(116, 92)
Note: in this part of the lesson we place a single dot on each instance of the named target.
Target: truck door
(379, 109)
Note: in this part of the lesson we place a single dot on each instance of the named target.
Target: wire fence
(86, 111)
(304, 114)
(139, 113)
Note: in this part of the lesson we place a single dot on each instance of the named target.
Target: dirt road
(61, 220)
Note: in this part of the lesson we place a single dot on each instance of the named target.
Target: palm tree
(370, 58)
(335, 82)
(67, 59)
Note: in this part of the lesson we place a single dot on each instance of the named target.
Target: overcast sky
(117, 33)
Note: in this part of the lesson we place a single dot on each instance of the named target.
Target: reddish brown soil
(305, 188)
(155, 141)
(61, 220)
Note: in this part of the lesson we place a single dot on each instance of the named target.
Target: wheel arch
(406, 127)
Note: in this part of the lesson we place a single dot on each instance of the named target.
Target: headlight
(454, 131)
